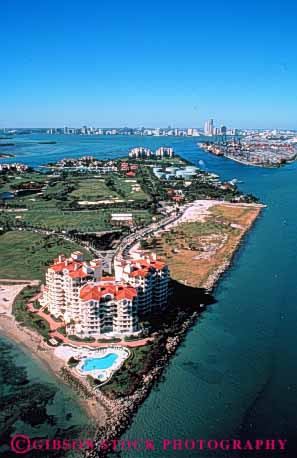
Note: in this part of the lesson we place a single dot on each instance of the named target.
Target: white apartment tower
(208, 128)
(93, 305)
(149, 276)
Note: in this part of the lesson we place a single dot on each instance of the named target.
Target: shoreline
(125, 409)
(212, 281)
(200, 211)
(43, 353)
(252, 164)
(116, 414)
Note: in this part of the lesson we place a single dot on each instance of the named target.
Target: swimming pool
(105, 362)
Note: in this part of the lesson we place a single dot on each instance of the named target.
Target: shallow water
(37, 402)
(235, 374)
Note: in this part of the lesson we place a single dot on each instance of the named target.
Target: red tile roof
(96, 292)
(68, 265)
(143, 263)
(139, 273)
(79, 273)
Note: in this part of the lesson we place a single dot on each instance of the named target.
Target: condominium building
(164, 151)
(209, 128)
(149, 276)
(107, 307)
(141, 152)
(63, 281)
(93, 305)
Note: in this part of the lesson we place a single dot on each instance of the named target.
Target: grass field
(93, 189)
(195, 250)
(8, 182)
(126, 185)
(47, 216)
(26, 255)
(57, 209)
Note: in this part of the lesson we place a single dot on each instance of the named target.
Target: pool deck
(65, 352)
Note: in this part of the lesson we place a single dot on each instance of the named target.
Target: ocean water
(235, 374)
(35, 403)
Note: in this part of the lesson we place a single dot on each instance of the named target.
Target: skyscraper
(223, 130)
(208, 128)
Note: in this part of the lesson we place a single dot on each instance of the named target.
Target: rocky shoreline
(117, 414)
(213, 279)
(121, 411)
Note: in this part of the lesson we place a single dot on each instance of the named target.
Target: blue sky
(157, 63)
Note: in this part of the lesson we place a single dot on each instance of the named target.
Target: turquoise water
(35, 403)
(235, 374)
(92, 364)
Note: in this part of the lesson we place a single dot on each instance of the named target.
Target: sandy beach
(222, 253)
(39, 349)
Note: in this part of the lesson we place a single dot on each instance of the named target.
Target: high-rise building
(208, 128)
(223, 130)
(92, 305)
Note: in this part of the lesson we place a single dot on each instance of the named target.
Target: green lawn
(125, 380)
(48, 216)
(26, 255)
(53, 210)
(27, 319)
(93, 189)
(126, 185)
(8, 182)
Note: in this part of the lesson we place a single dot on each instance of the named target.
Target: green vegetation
(72, 362)
(28, 319)
(107, 341)
(57, 320)
(203, 245)
(26, 255)
(92, 381)
(124, 188)
(86, 221)
(128, 377)
(11, 182)
(93, 189)
(78, 339)
(131, 338)
(62, 330)
(57, 206)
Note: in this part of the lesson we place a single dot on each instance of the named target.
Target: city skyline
(148, 66)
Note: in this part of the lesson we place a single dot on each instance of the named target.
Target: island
(106, 264)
